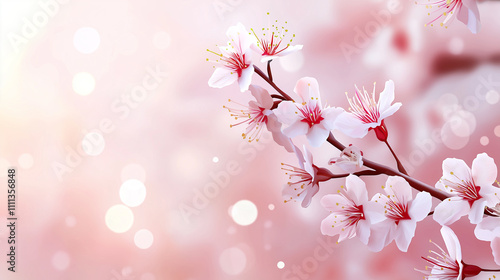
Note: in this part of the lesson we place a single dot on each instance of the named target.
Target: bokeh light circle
(119, 218)
(280, 265)
(244, 212)
(233, 261)
(86, 40)
(93, 143)
(60, 260)
(143, 239)
(132, 193)
(492, 97)
(83, 83)
(484, 140)
(497, 131)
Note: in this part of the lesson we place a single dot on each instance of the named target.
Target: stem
(269, 70)
(263, 76)
(400, 165)
(490, 270)
(416, 184)
(277, 96)
(359, 173)
(430, 213)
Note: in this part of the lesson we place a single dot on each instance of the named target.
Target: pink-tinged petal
(333, 202)
(300, 156)
(287, 112)
(488, 229)
(314, 189)
(477, 211)
(347, 233)
(274, 126)
(484, 170)
(398, 186)
(330, 116)
(450, 210)
(245, 78)
(389, 112)
(374, 212)
(222, 77)
(452, 243)
(290, 49)
(351, 126)
(240, 38)
(356, 189)
(346, 165)
(495, 249)
(381, 235)
(262, 96)
(473, 17)
(328, 225)
(420, 206)
(386, 96)
(317, 134)
(363, 231)
(453, 168)
(308, 89)
(404, 234)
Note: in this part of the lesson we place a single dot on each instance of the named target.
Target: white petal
(308, 89)
(374, 212)
(246, 78)
(404, 234)
(389, 112)
(351, 126)
(274, 126)
(240, 38)
(488, 229)
(473, 18)
(450, 210)
(328, 225)
(262, 96)
(484, 170)
(330, 116)
(309, 195)
(287, 112)
(477, 211)
(317, 134)
(363, 231)
(398, 186)
(356, 189)
(333, 202)
(452, 243)
(381, 235)
(455, 170)
(222, 77)
(420, 206)
(386, 96)
(495, 249)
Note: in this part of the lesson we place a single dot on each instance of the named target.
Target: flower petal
(420, 206)
(381, 235)
(477, 211)
(404, 234)
(245, 78)
(328, 225)
(450, 210)
(488, 229)
(374, 212)
(262, 96)
(333, 202)
(222, 77)
(363, 231)
(287, 112)
(240, 38)
(296, 129)
(398, 186)
(314, 189)
(452, 243)
(351, 126)
(495, 249)
(317, 134)
(473, 18)
(274, 126)
(330, 115)
(386, 96)
(388, 112)
(308, 90)
(484, 170)
(356, 189)
(455, 168)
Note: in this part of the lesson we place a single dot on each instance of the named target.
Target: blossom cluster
(393, 213)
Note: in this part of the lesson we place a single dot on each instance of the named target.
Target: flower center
(364, 107)
(465, 189)
(353, 214)
(272, 38)
(299, 178)
(311, 115)
(396, 210)
(253, 116)
(444, 267)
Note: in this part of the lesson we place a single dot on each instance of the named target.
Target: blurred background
(127, 167)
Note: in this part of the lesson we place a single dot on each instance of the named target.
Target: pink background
(173, 136)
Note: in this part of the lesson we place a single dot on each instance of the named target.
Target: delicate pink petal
(287, 112)
(317, 134)
(246, 78)
(453, 168)
(296, 129)
(398, 186)
(389, 112)
(328, 225)
(222, 77)
(274, 126)
(495, 249)
(488, 229)
(405, 231)
(330, 116)
(351, 126)
(420, 206)
(333, 202)
(473, 18)
(386, 96)
(374, 212)
(363, 231)
(477, 211)
(240, 38)
(356, 189)
(262, 96)
(308, 89)
(290, 49)
(452, 243)
(484, 170)
(310, 193)
(381, 235)
(450, 210)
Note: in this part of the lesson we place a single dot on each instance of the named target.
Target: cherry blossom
(304, 180)
(489, 229)
(257, 115)
(350, 159)
(466, 11)
(308, 117)
(367, 114)
(402, 213)
(271, 44)
(470, 190)
(352, 214)
(448, 265)
(235, 60)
